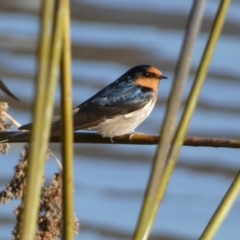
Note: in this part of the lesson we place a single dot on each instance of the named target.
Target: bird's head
(146, 75)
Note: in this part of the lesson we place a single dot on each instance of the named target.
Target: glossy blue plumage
(120, 93)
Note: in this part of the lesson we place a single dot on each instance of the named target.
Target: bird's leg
(133, 133)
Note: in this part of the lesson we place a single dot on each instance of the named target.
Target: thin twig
(140, 139)
(15, 122)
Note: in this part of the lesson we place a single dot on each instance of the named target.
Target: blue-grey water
(108, 38)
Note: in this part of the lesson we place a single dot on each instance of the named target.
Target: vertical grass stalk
(67, 130)
(150, 204)
(222, 210)
(43, 109)
(194, 95)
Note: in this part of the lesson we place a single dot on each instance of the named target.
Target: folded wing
(111, 101)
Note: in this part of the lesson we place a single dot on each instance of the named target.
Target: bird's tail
(23, 136)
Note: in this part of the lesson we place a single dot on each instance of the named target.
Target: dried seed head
(15, 188)
(4, 126)
(50, 219)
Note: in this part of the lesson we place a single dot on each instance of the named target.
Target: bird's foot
(133, 133)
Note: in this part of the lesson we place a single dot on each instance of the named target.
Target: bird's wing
(102, 107)
(106, 104)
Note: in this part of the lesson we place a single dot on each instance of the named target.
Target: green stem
(67, 131)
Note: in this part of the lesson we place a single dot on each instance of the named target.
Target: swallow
(118, 108)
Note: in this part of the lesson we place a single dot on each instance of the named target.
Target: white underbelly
(124, 124)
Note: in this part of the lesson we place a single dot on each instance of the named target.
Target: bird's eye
(146, 74)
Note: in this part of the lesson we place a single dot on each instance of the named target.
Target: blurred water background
(109, 37)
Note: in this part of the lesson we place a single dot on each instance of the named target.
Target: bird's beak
(162, 77)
